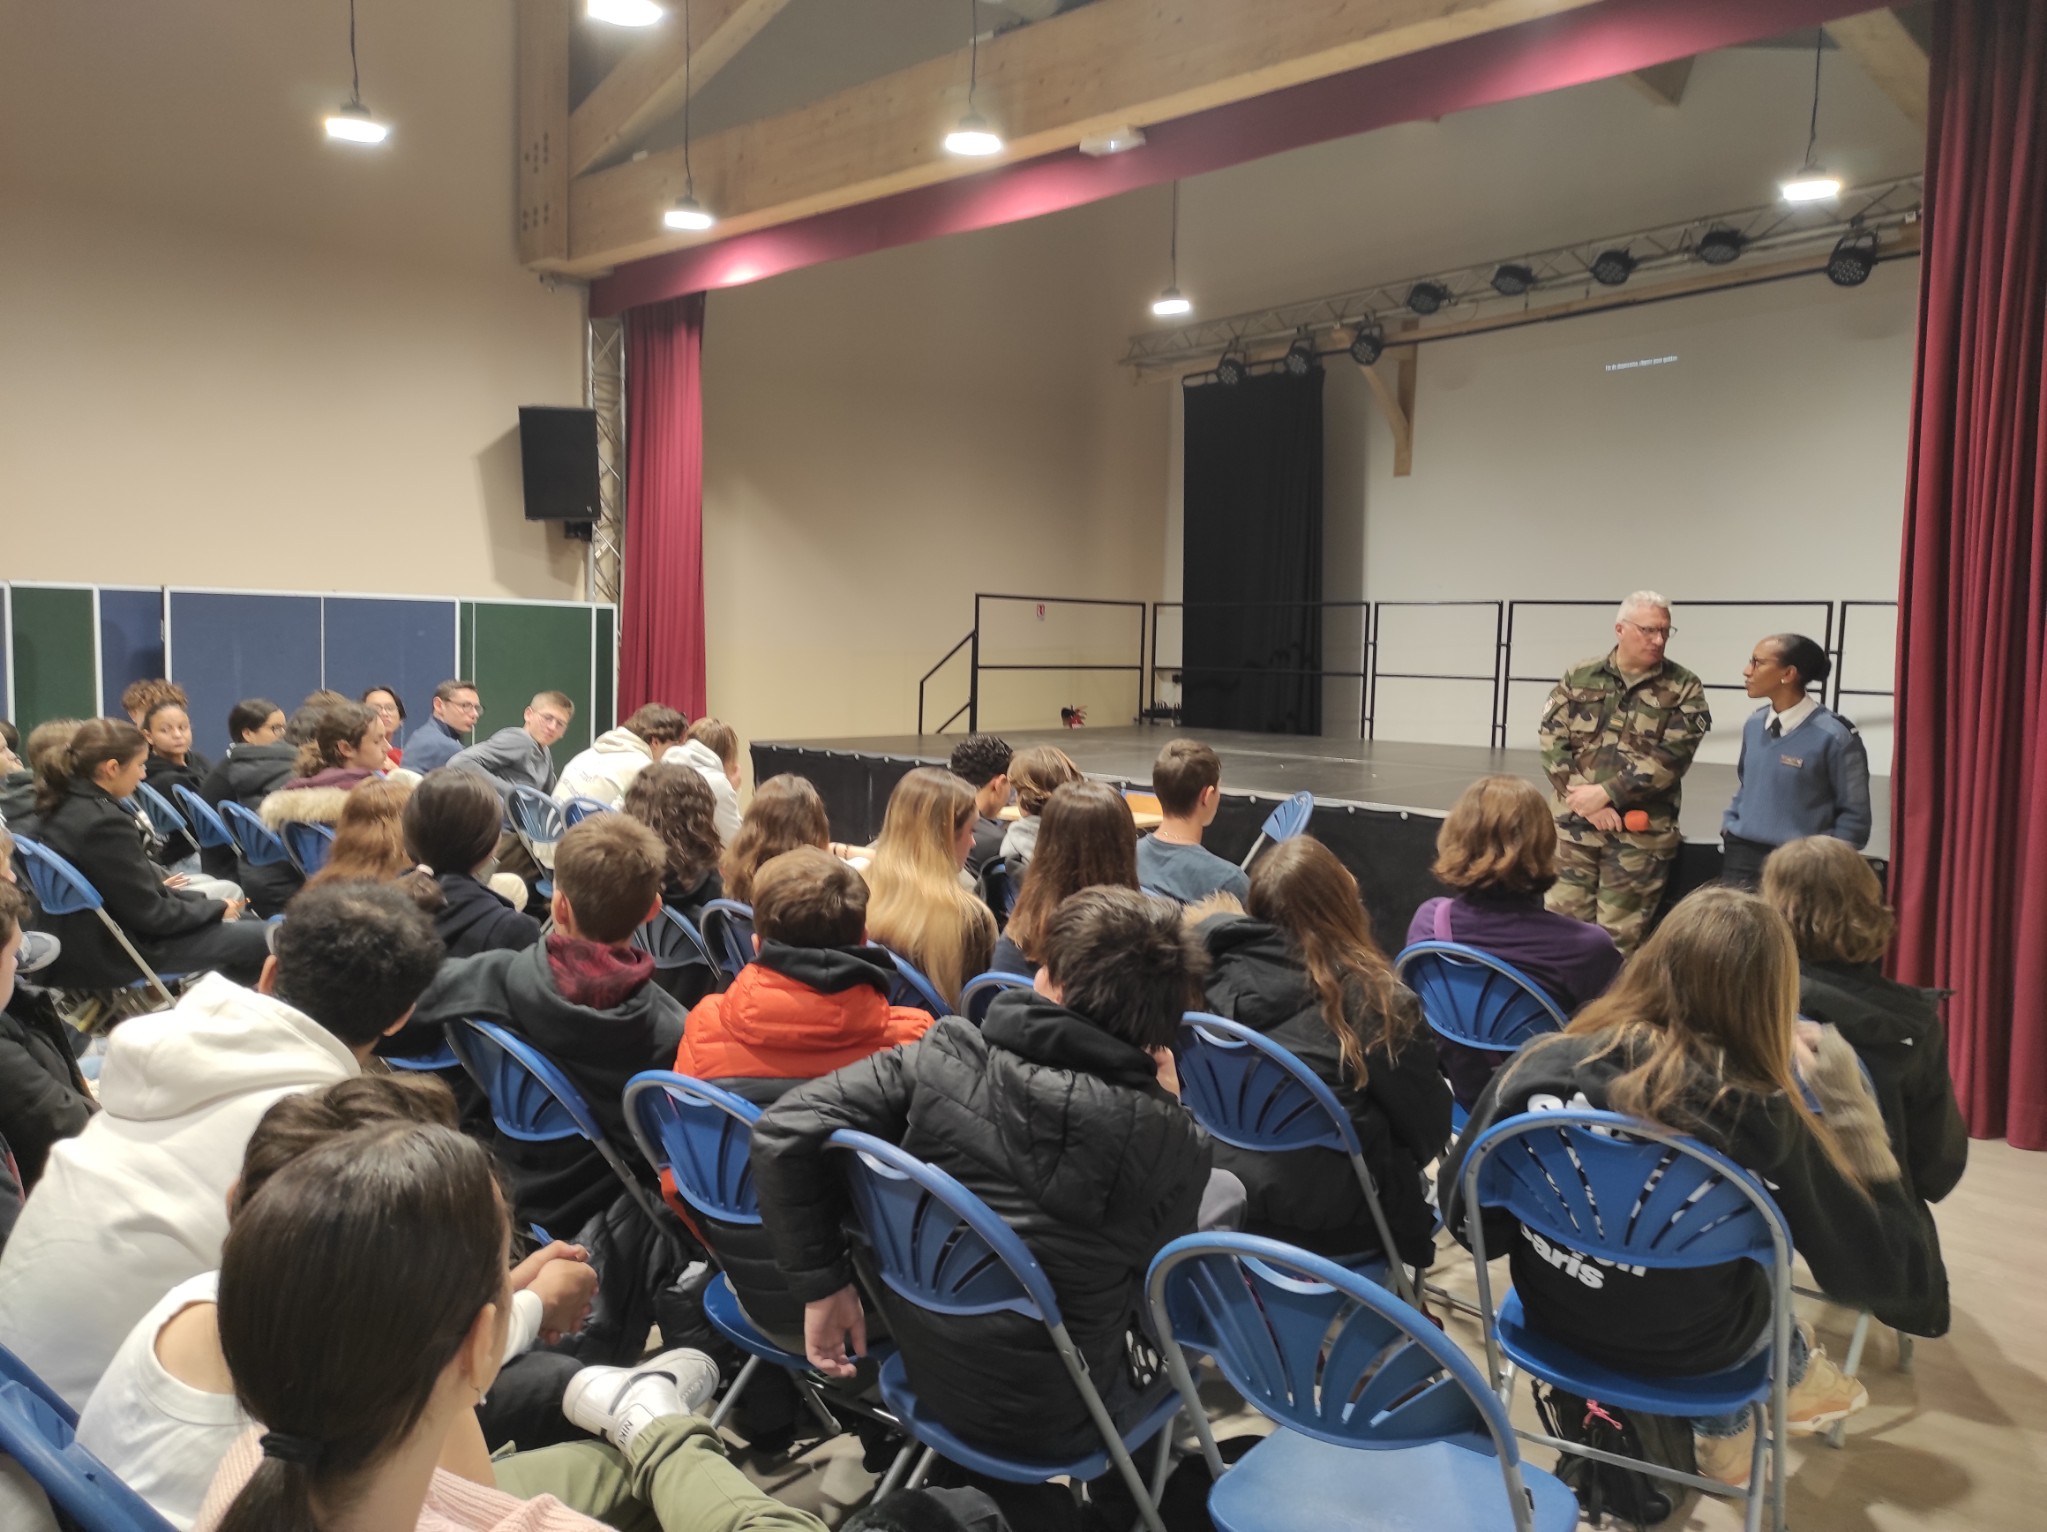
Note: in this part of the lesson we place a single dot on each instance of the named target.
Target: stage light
(1427, 297)
(1854, 258)
(1171, 304)
(1810, 186)
(1610, 268)
(1231, 370)
(625, 13)
(1300, 359)
(689, 215)
(1721, 246)
(1367, 345)
(351, 122)
(1512, 280)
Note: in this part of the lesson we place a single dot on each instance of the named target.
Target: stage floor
(1381, 774)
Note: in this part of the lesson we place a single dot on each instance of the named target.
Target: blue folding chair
(911, 988)
(441, 1059)
(61, 889)
(208, 828)
(1599, 1187)
(536, 819)
(533, 1101)
(728, 928)
(940, 1248)
(980, 991)
(40, 1437)
(164, 819)
(1340, 1364)
(256, 841)
(673, 943)
(1473, 998)
(579, 808)
(1253, 1094)
(14, 1369)
(1283, 823)
(308, 845)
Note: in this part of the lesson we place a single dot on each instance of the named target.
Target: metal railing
(1368, 727)
(1362, 675)
(977, 665)
(1838, 650)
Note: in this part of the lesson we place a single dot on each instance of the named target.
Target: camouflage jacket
(1635, 741)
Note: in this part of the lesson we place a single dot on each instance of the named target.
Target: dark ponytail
(348, 1283)
(1804, 656)
(97, 741)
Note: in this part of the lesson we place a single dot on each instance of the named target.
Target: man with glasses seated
(522, 756)
(1618, 735)
(437, 741)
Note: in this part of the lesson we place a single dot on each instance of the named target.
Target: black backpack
(1605, 1489)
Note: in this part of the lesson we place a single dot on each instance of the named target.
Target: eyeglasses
(553, 720)
(1662, 633)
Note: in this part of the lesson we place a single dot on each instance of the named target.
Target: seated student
(1088, 840)
(919, 911)
(47, 742)
(1187, 777)
(390, 710)
(369, 844)
(711, 748)
(138, 697)
(786, 812)
(1034, 773)
(982, 762)
(1303, 969)
(523, 755)
(1053, 1113)
(82, 796)
(437, 740)
(174, 763)
(136, 1202)
(675, 803)
(585, 997)
(17, 780)
(451, 825)
(815, 1000)
(1697, 1035)
(258, 761)
(617, 756)
(1835, 907)
(43, 1098)
(345, 750)
(1498, 849)
(362, 1309)
(163, 1414)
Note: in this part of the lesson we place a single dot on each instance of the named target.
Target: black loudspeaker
(558, 453)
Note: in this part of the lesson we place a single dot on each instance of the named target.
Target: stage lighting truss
(1300, 358)
(1865, 225)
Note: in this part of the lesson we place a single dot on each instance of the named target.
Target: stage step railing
(924, 681)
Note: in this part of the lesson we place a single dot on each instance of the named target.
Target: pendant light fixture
(975, 137)
(351, 122)
(1172, 304)
(686, 213)
(625, 13)
(1812, 184)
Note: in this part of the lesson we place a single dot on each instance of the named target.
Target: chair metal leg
(136, 957)
(753, 1365)
(900, 1469)
(1837, 1433)
(923, 1469)
(1904, 1352)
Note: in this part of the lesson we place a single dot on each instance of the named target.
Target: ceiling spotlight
(1427, 297)
(351, 122)
(1300, 359)
(1512, 280)
(688, 214)
(625, 13)
(1231, 370)
(1367, 345)
(1610, 268)
(1721, 246)
(1171, 304)
(973, 138)
(1810, 186)
(1854, 258)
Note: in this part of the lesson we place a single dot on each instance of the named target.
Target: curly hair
(675, 802)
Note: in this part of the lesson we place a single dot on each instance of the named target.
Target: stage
(1377, 803)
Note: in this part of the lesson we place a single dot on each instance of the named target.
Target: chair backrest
(15, 1369)
(935, 1244)
(1320, 1349)
(40, 1439)
(308, 845)
(911, 988)
(207, 825)
(998, 889)
(673, 942)
(701, 1135)
(534, 815)
(257, 843)
(441, 1058)
(530, 1098)
(163, 817)
(1473, 998)
(1622, 1191)
(1290, 818)
(59, 887)
(979, 992)
(728, 927)
(579, 808)
(1252, 1093)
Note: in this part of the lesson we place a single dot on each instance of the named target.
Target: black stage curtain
(1253, 534)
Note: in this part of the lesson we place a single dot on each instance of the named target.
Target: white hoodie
(137, 1203)
(694, 752)
(606, 769)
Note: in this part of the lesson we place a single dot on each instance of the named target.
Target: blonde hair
(918, 908)
(1830, 898)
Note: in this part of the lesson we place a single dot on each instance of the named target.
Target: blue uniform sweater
(1812, 781)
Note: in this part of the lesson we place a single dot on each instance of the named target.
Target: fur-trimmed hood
(303, 805)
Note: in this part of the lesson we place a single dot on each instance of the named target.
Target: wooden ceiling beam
(647, 86)
(543, 130)
(1890, 55)
(1045, 87)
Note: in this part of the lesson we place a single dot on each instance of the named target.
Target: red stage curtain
(1969, 812)
(661, 621)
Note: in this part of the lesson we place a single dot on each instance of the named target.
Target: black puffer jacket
(1065, 1132)
(42, 1096)
(476, 920)
(1311, 1197)
(247, 775)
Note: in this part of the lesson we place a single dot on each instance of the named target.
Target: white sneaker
(695, 1375)
(620, 1402)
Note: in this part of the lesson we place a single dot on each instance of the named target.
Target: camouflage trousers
(1613, 878)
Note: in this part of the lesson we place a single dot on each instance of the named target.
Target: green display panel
(512, 649)
(56, 668)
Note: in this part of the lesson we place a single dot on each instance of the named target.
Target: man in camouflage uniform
(1617, 736)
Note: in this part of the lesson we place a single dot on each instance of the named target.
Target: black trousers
(1741, 861)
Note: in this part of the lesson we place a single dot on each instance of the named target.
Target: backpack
(1605, 1489)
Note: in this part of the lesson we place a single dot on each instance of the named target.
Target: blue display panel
(405, 644)
(131, 641)
(226, 645)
